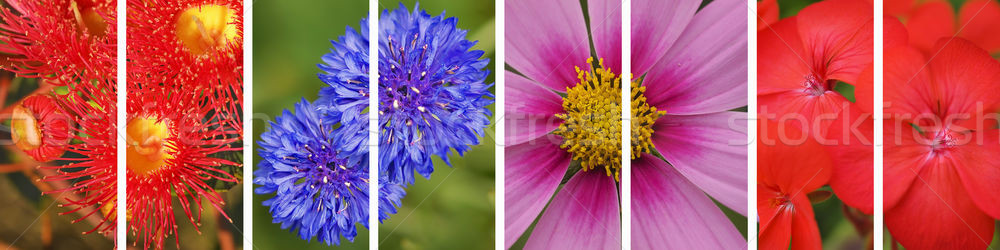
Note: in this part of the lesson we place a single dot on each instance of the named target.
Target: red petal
(976, 164)
(850, 141)
(930, 22)
(781, 64)
(898, 8)
(979, 19)
(965, 77)
(775, 224)
(767, 13)
(864, 89)
(903, 158)
(907, 89)
(838, 35)
(893, 33)
(789, 160)
(805, 232)
(937, 213)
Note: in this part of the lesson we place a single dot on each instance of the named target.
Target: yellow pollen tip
(24, 129)
(591, 127)
(643, 118)
(207, 27)
(147, 146)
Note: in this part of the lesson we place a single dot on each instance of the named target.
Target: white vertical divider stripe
(626, 178)
(248, 124)
(499, 128)
(752, 125)
(120, 115)
(879, 214)
(373, 141)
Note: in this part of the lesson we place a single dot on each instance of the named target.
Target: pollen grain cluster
(592, 123)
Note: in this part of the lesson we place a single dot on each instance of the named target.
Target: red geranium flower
(801, 59)
(791, 164)
(941, 146)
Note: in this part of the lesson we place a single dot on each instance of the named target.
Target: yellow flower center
(147, 146)
(592, 123)
(207, 27)
(108, 209)
(24, 129)
(88, 20)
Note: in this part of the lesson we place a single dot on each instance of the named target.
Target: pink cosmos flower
(563, 119)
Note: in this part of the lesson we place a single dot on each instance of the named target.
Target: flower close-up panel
(815, 63)
(689, 124)
(436, 140)
(563, 124)
(310, 165)
(940, 130)
(184, 124)
(58, 86)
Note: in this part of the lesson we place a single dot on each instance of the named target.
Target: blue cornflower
(346, 98)
(432, 92)
(320, 187)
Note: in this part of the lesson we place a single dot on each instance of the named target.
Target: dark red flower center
(816, 86)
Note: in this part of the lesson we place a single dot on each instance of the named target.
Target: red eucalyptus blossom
(195, 43)
(69, 43)
(174, 143)
(92, 169)
(66, 40)
(40, 127)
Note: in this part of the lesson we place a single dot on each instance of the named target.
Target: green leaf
(845, 89)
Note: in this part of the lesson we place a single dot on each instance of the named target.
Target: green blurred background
(455, 208)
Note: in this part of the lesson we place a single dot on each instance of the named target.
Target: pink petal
(656, 24)
(606, 26)
(584, 215)
(546, 40)
(710, 150)
(669, 212)
(532, 113)
(706, 69)
(533, 172)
